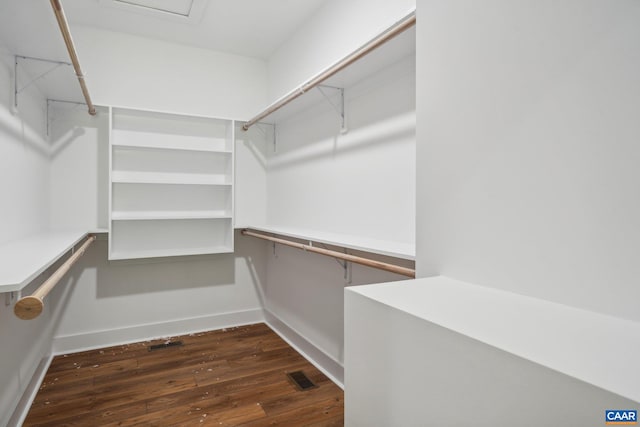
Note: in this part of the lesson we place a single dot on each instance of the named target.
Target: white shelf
(121, 255)
(150, 215)
(597, 349)
(365, 244)
(127, 177)
(24, 260)
(160, 144)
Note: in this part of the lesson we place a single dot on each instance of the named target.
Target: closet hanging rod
(30, 307)
(66, 35)
(404, 271)
(397, 28)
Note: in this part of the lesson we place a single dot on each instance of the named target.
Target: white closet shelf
(162, 145)
(595, 348)
(23, 260)
(126, 177)
(136, 254)
(146, 215)
(365, 244)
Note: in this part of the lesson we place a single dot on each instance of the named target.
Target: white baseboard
(24, 404)
(325, 363)
(107, 338)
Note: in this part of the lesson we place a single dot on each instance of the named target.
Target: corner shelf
(23, 260)
(171, 184)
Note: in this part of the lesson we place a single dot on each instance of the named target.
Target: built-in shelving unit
(171, 180)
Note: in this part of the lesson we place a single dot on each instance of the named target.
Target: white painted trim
(321, 360)
(107, 338)
(29, 395)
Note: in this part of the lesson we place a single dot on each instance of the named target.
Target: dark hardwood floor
(231, 377)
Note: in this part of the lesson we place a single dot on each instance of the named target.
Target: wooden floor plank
(229, 377)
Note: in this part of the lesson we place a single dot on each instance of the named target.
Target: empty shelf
(144, 215)
(23, 260)
(168, 178)
(365, 244)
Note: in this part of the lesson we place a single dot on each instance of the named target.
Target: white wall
(338, 28)
(528, 153)
(130, 71)
(24, 173)
(24, 157)
(250, 184)
(79, 184)
(127, 301)
(359, 183)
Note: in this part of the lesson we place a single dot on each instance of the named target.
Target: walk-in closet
(319, 212)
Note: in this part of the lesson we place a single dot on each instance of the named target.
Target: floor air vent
(165, 345)
(300, 380)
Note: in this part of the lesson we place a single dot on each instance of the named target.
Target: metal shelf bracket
(50, 118)
(261, 127)
(345, 265)
(11, 297)
(337, 106)
(16, 89)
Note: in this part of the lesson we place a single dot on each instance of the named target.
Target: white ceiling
(254, 28)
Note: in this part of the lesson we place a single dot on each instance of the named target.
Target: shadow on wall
(395, 130)
(61, 294)
(380, 111)
(68, 122)
(253, 139)
(130, 277)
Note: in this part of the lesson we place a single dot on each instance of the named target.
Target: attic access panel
(176, 7)
(174, 10)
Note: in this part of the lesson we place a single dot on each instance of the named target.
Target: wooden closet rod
(397, 28)
(66, 35)
(346, 257)
(30, 307)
